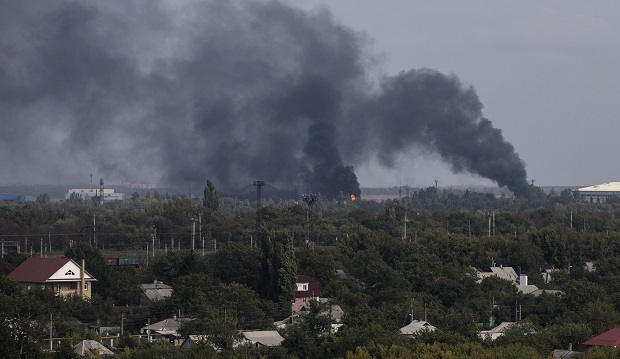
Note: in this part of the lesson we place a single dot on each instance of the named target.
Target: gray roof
(166, 326)
(82, 348)
(155, 292)
(333, 310)
(416, 326)
(507, 273)
(264, 337)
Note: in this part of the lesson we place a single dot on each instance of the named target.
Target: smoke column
(228, 90)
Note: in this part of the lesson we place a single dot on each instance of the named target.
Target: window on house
(86, 286)
(73, 285)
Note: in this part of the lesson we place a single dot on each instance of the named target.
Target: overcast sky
(181, 91)
(546, 72)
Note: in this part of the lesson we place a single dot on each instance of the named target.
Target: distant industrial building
(142, 185)
(600, 192)
(90, 193)
(12, 197)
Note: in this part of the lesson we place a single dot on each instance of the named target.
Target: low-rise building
(610, 338)
(153, 292)
(90, 193)
(62, 275)
(600, 193)
(416, 327)
(91, 348)
(167, 328)
(260, 338)
(307, 291)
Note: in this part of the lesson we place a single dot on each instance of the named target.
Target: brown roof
(313, 287)
(38, 270)
(610, 338)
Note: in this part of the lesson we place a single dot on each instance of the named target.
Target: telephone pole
(310, 199)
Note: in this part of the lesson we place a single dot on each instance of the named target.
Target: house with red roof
(307, 291)
(610, 338)
(61, 275)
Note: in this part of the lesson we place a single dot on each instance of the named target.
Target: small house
(307, 291)
(416, 327)
(61, 275)
(153, 292)
(91, 348)
(610, 338)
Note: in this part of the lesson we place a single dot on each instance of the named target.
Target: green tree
(279, 270)
(43, 198)
(211, 199)
(94, 264)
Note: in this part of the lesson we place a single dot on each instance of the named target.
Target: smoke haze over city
(234, 91)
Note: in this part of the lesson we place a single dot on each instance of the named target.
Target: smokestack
(101, 192)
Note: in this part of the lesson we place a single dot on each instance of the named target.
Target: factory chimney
(101, 192)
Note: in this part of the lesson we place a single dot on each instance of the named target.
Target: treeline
(413, 258)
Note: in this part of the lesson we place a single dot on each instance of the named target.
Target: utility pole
(489, 226)
(405, 225)
(310, 199)
(95, 229)
(51, 332)
(200, 232)
(193, 232)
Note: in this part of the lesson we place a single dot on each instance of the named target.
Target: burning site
(228, 90)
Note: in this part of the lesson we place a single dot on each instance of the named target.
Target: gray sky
(235, 91)
(545, 71)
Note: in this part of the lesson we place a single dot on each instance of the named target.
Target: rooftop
(45, 270)
(313, 287)
(610, 338)
(604, 187)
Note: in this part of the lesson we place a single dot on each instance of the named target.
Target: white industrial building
(600, 192)
(89, 193)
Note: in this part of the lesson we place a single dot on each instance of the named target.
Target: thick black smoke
(229, 90)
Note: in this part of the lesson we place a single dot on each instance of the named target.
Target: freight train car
(122, 262)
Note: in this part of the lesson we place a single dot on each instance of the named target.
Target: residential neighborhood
(273, 294)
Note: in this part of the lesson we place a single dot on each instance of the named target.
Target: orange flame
(352, 197)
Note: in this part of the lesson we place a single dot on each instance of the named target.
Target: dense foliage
(409, 258)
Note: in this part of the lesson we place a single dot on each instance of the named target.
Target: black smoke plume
(229, 90)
